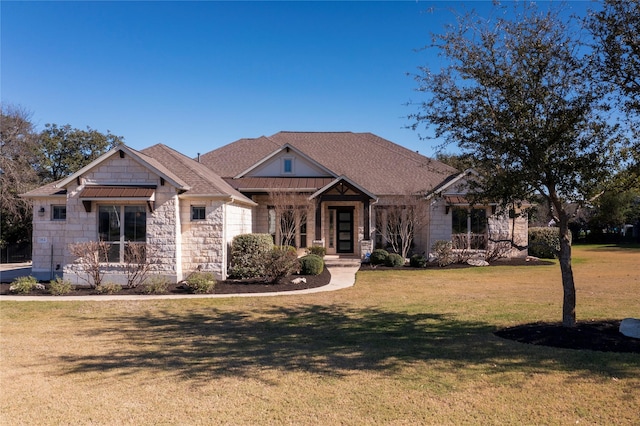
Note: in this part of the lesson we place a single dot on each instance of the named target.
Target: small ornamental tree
(291, 211)
(90, 255)
(400, 220)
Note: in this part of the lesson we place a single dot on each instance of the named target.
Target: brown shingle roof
(372, 162)
(202, 180)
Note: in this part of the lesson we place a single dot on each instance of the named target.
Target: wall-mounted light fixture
(41, 212)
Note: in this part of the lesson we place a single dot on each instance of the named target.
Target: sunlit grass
(401, 347)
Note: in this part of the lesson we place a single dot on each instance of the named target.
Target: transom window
(120, 225)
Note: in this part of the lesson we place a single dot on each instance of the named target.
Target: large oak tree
(517, 93)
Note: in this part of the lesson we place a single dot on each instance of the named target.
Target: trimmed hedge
(311, 264)
(394, 260)
(544, 242)
(418, 261)
(378, 256)
(201, 282)
(317, 250)
(248, 255)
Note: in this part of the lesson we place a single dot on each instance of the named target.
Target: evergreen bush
(394, 260)
(155, 285)
(417, 261)
(248, 255)
(23, 285)
(544, 242)
(317, 250)
(378, 256)
(311, 264)
(58, 287)
(201, 282)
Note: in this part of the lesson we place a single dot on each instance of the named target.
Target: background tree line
(29, 159)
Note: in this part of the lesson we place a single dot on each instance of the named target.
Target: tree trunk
(568, 285)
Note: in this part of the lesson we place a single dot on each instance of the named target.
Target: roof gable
(371, 162)
(143, 160)
(286, 161)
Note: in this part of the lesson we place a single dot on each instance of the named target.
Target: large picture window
(121, 225)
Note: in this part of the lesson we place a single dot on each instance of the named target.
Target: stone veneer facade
(178, 246)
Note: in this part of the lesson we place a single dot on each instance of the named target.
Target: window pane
(459, 220)
(109, 223)
(59, 212)
(197, 212)
(135, 223)
(288, 165)
(478, 221)
(114, 253)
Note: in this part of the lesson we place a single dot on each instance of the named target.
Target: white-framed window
(120, 225)
(59, 212)
(287, 165)
(198, 212)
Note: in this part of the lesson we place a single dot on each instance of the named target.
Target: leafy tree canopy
(519, 95)
(17, 155)
(64, 150)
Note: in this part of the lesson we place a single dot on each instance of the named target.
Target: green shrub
(417, 261)
(58, 287)
(394, 260)
(443, 250)
(108, 288)
(201, 282)
(281, 261)
(23, 285)
(155, 285)
(248, 255)
(317, 250)
(544, 242)
(378, 256)
(311, 264)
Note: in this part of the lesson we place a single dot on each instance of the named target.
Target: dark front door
(344, 219)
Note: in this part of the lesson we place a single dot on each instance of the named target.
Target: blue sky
(198, 75)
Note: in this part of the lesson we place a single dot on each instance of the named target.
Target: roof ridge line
(194, 169)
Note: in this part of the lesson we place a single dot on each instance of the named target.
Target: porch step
(341, 261)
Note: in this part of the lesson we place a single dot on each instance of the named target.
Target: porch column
(367, 219)
(318, 220)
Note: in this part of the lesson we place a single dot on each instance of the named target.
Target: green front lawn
(400, 347)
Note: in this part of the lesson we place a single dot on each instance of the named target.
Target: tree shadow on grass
(329, 340)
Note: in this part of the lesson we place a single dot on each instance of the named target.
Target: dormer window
(287, 166)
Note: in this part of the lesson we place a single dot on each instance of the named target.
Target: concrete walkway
(341, 277)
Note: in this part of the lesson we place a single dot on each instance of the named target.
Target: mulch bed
(515, 261)
(602, 335)
(221, 287)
